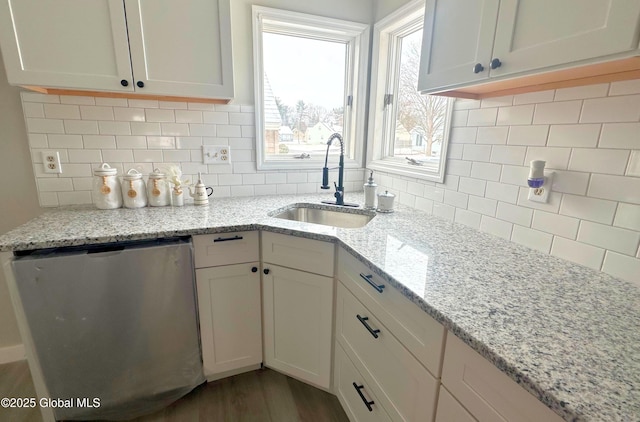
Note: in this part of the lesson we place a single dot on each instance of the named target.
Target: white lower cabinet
(229, 302)
(449, 410)
(298, 307)
(404, 387)
(355, 395)
(488, 394)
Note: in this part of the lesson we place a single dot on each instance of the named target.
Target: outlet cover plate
(51, 162)
(216, 154)
(541, 194)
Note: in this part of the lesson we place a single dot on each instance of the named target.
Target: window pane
(304, 94)
(420, 119)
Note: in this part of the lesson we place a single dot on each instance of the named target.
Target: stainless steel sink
(336, 217)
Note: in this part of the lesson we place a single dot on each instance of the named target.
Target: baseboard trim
(12, 354)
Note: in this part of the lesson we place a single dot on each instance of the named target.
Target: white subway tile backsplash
(451, 182)
(589, 256)
(556, 113)
(174, 129)
(76, 170)
(96, 113)
(80, 127)
(610, 161)
(111, 102)
(117, 155)
(144, 128)
(241, 118)
(473, 152)
(48, 199)
(611, 109)
(555, 224)
(625, 87)
(188, 116)
(243, 190)
(581, 92)
(515, 175)
(229, 131)
(434, 193)
(265, 189)
(502, 192)
(534, 97)
(458, 118)
(132, 142)
(496, 227)
(72, 198)
(485, 171)
(464, 104)
(514, 214)
(143, 103)
(189, 142)
(556, 158)
(82, 183)
(55, 185)
(472, 186)
(633, 169)
(445, 211)
(200, 129)
(483, 206)
(424, 204)
(508, 154)
(532, 238)
(611, 238)
(78, 100)
(468, 218)
(159, 115)
(64, 141)
(286, 189)
(457, 199)
(176, 156)
(244, 167)
(37, 125)
(39, 98)
(497, 101)
(492, 135)
(570, 182)
(516, 115)
(581, 136)
(617, 188)
(535, 135)
(230, 179)
(38, 140)
(454, 151)
(165, 142)
(227, 107)
(99, 141)
(84, 156)
(463, 135)
(129, 114)
(148, 156)
(61, 111)
(415, 188)
(459, 167)
(176, 105)
(482, 117)
(628, 216)
(586, 208)
(33, 110)
(620, 135)
(621, 266)
(114, 128)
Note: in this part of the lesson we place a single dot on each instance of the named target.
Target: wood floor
(260, 396)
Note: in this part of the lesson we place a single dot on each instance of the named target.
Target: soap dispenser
(370, 193)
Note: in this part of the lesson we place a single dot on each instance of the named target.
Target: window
(310, 82)
(408, 131)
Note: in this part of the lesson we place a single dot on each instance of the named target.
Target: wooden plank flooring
(259, 396)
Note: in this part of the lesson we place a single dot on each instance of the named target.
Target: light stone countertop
(568, 334)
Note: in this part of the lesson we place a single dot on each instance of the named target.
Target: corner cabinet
(467, 43)
(170, 48)
(298, 306)
(229, 302)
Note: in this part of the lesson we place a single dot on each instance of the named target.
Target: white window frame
(357, 37)
(384, 67)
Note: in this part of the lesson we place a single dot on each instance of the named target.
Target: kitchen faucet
(325, 174)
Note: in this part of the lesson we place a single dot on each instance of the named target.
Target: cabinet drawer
(314, 256)
(449, 410)
(406, 390)
(418, 332)
(353, 404)
(487, 393)
(211, 250)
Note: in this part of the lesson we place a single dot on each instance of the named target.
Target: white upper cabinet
(162, 47)
(506, 38)
(66, 43)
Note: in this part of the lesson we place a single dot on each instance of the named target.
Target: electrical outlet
(216, 154)
(51, 162)
(541, 194)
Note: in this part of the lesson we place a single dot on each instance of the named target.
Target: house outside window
(310, 82)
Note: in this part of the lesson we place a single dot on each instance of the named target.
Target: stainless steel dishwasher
(116, 322)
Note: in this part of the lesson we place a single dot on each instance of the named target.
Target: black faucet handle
(325, 178)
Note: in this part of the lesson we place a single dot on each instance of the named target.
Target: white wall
(19, 203)
(590, 137)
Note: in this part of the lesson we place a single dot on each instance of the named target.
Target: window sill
(402, 169)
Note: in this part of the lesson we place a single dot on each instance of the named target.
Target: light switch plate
(541, 194)
(216, 154)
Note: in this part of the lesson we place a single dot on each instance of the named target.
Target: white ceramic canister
(134, 191)
(370, 189)
(158, 189)
(385, 201)
(106, 188)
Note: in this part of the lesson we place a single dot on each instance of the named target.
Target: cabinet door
(181, 48)
(230, 317)
(298, 316)
(66, 43)
(458, 34)
(534, 34)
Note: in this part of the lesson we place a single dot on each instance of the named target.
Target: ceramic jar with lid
(106, 188)
(158, 191)
(134, 191)
(385, 201)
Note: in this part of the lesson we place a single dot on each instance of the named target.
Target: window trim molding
(384, 33)
(355, 83)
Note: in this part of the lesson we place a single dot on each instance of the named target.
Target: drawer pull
(368, 279)
(226, 239)
(364, 400)
(364, 320)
